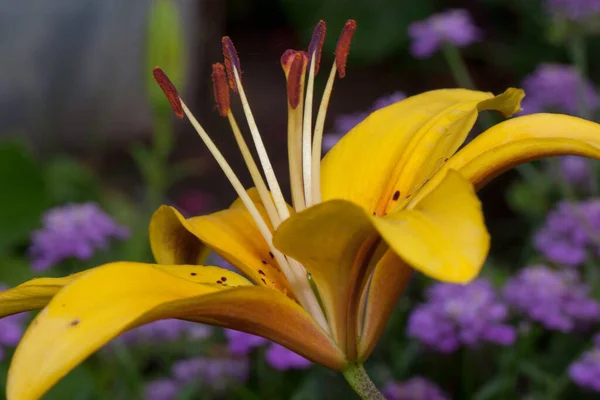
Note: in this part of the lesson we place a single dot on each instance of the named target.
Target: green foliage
(24, 194)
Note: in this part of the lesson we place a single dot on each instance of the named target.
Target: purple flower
(283, 359)
(574, 10)
(555, 87)
(556, 299)
(344, 123)
(576, 170)
(278, 357)
(161, 389)
(73, 230)
(568, 232)
(241, 344)
(417, 388)
(452, 26)
(585, 371)
(167, 330)
(217, 373)
(461, 315)
(11, 329)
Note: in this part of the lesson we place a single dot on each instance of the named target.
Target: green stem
(579, 57)
(458, 68)
(358, 379)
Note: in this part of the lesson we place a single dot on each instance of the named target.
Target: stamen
(257, 178)
(294, 79)
(169, 90)
(280, 204)
(294, 63)
(306, 133)
(318, 136)
(316, 43)
(343, 46)
(220, 88)
(232, 61)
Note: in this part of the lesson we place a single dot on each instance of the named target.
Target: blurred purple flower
(585, 371)
(452, 26)
(167, 330)
(567, 232)
(161, 389)
(576, 170)
(217, 373)
(417, 388)
(457, 315)
(11, 329)
(556, 299)
(278, 357)
(574, 10)
(283, 359)
(73, 230)
(555, 87)
(345, 122)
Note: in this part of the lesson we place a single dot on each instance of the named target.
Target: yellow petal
(444, 236)
(233, 235)
(171, 242)
(331, 241)
(389, 279)
(400, 146)
(36, 293)
(32, 295)
(520, 140)
(111, 299)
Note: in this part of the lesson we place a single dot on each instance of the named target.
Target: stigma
(304, 140)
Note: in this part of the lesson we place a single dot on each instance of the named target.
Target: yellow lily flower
(393, 196)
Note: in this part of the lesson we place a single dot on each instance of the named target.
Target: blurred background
(89, 148)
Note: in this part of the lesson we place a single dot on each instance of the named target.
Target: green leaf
(24, 196)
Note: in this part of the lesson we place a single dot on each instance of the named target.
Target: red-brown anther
(342, 48)
(294, 79)
(287, 58)
(232, 61)
(169, 90)
(220, 88)
(316, 43)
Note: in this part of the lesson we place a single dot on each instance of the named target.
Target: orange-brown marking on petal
(169, 90)
(316, 43)
(220, 88)
(342, 48)
(232, 61)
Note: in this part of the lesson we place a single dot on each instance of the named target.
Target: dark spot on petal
(193, 274)
(223, 279)
(408, 196)
(264, 262)
(374, 213)
(75, 322)
(445, 159)
(396, 195)
(263, 281)
(260, 271)
(219, 282)
(272, 255)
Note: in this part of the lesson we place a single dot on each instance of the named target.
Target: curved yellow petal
(520, 140)
(171, 242)
(331, 240)
(36, 293)
(444, 234)
(399, 147)
(389, 279)
(233, 235)
(32, 295)
(111, 299)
